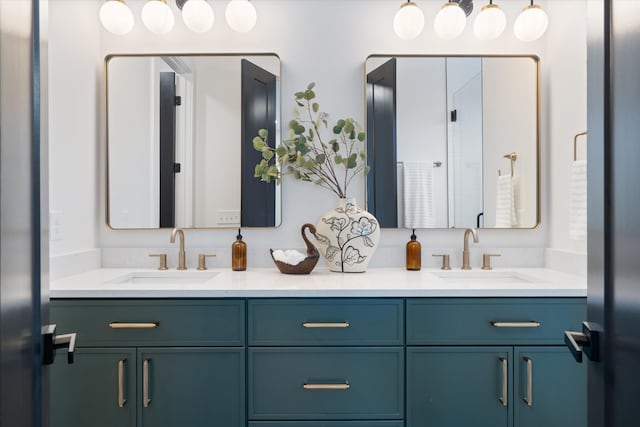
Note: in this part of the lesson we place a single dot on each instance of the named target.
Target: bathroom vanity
(387, 348)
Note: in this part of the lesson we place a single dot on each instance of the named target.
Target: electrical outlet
(228, 217)
(55, 226)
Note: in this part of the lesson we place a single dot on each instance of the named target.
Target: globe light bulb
(157, 16)
(241, 15)
(116, 17)
(450, 21)
(531, 24)
(408, 22)
(490, 23)
(197, 15)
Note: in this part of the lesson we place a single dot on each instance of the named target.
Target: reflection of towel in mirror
(506, 216)
(418, 195)
(578, 201)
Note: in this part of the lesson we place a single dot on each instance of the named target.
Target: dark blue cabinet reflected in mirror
(453, 141)
(179, 135)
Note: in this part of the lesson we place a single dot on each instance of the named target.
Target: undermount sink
(165, 277)
(486, 277)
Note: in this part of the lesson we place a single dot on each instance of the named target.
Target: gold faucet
(465, 253)
(181, 254)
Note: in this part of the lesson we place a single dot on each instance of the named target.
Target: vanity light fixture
(197, 15)
(490, 23)
(531, 24)
(157, 16)
(408, 22)
(116, 17)
(450, 21)
(241, 15)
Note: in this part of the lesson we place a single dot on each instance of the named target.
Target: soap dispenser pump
(239, 254)
(414, 253)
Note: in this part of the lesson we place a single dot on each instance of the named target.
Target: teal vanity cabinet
(326, 362)
(493, 362)
(151, 363)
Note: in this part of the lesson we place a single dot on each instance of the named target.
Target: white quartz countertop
(269, 283)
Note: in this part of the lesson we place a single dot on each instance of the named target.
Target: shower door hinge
(454, 115)
(178, 100)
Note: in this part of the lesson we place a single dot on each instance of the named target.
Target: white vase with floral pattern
(347, 237)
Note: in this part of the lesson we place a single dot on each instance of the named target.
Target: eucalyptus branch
(305, 154)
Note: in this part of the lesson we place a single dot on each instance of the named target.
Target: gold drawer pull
(344, 386)
(119, 325)
(325, 325)
(532, 324)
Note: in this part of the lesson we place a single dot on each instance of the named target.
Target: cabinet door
(191, 387)
(459, 386)
(97, 390)
(550, 388)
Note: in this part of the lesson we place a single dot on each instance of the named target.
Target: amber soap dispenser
(414, 253)
(239, 254)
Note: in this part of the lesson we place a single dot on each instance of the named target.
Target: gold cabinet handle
(344, 386)
(532, 324)
(122, 325)
(529, 398)
(145, 383)
(325, 325)
(121, 400)
(505, 379)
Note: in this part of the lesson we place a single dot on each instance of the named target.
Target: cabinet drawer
(151, 322)
(326, 424)
(467, 321)
(326, 383)
(293, 322)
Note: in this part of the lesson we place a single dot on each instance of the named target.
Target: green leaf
(299, 160)
(311, 134)
(311, 85)
(341, 123)
(299, 95)
(300, 104)
(335, 146)
(337, 129)
(367, 169)
(352, 135)
(257, 172)
(299, 130)
(273, 171)
(293, 124)
(302, 139)
(309, 94)
(338, 159)
(267, 155)
(281, 150)
(258, 143)
(302, 149)
(310, 164)
(348, 128)
(315, 107)
(263, 133)
(352, 161)
(363, 155)
(320, 159)
(362, 136)
(297, 174)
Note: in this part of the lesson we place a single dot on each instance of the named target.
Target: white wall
(422, 122)
(133, 153)
(75, 70)
(331, 50)
(565, 92)
(509, 103)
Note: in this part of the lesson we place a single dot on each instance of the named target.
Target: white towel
(506, 216)
(578, 201)
(400, 193)
(418, 195)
